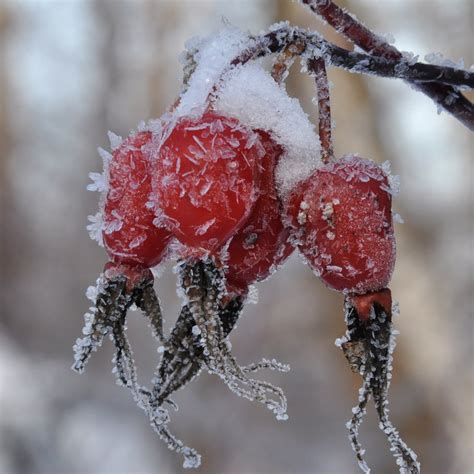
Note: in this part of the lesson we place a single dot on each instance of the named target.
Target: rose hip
(206, 179)
(342, 221)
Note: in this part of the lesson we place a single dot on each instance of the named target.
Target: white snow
(213, 57)
(250, 94)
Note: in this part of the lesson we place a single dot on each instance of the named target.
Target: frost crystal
(95, 227)
(397, 218)
(439, 60)
(100, 183)
(115, 140)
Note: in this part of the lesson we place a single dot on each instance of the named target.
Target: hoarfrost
(95, 227)
(138, 240)
(91, 293)
(202, 229)
(252, 295)
(98, 182)
(398, 218)
(439, 60)
(410, 57)
(393, 179)
(114, 224)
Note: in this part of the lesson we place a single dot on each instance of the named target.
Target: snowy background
(70, 71)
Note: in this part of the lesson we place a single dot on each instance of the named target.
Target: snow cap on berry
(212, 56)
(250, 94)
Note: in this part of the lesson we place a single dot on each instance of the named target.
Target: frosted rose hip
(206, 179)
(129, 233)
(343, 222)
(262, 243)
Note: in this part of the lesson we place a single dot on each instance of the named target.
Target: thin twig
(428, 78)
(447, 97)
(285, 60)
(318, 66)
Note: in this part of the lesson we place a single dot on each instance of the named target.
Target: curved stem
(318, 66)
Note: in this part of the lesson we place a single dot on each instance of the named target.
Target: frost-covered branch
(433, 80)
(429, 79)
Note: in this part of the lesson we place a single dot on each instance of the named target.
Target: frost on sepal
(94, 330)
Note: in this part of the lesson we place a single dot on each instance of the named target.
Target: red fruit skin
(341, 218)
(206, 179)
(261, 245)
(129, 235)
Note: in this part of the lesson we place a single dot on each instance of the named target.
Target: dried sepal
(203, 286)
(368, 347)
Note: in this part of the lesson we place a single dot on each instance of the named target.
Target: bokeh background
(70, 71)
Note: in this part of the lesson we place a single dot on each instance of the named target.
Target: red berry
(343, 223)
(206, 179)
(262, 243)
(129, 233)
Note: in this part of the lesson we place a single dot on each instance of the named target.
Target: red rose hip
(343, 224)
(129, 233)
(262, 243)
(206, 179)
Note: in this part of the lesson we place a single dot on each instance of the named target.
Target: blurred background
(70, 71)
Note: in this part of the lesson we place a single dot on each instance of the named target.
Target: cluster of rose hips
(211, 187)
(201, 188)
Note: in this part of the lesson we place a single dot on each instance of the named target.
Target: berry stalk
(318, 67)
